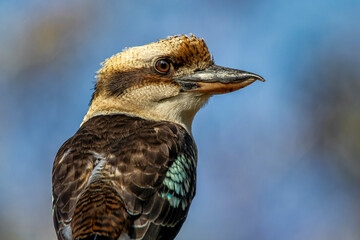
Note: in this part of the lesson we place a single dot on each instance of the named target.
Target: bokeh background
(277, 160)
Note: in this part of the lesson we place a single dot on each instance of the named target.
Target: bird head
(166, 80)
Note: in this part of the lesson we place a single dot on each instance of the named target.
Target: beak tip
(259, 78)
(251, 76)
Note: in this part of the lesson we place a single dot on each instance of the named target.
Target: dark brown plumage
(127, 142)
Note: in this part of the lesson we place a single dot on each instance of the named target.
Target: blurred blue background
(277, 160)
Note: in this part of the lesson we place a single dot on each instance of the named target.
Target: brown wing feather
(128, 189)
(70, 176)
(100, 210)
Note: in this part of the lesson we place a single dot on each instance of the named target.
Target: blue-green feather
(178, 179)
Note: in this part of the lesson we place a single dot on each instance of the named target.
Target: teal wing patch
(178, 180)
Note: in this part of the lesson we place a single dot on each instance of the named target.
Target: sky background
(277, 160)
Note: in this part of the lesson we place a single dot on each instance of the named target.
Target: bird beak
(217, 80)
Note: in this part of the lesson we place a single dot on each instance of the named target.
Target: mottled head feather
(133, 66)
(128, 82)
(183, 51)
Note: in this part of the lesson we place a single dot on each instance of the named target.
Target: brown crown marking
(133, 67)
(192, 52)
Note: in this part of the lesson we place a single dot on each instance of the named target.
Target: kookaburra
(129, 172)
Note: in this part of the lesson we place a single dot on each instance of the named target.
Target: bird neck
(180, 109)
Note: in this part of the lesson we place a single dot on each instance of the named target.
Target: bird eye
(162, 66)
